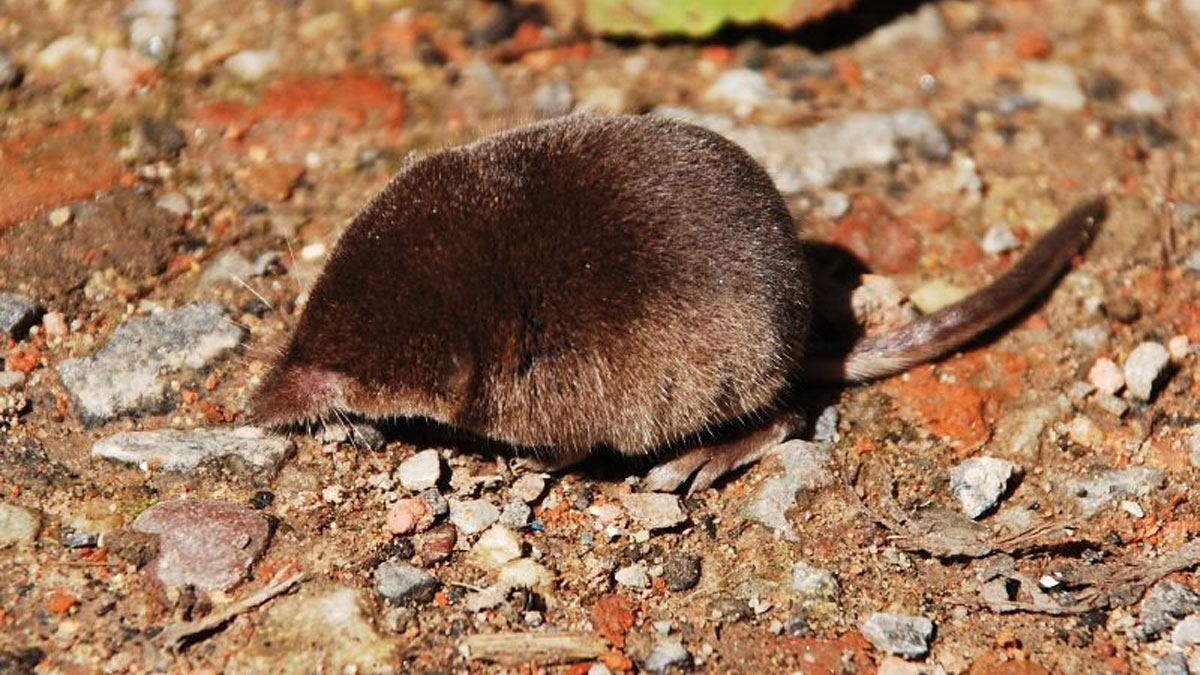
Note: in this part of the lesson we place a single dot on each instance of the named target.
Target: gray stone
(421, 471)
(654, 510)
(473, 516)
(814, 587)
(209, 545)
(516, 513)
(632, 576)
(18, 525)
(806, 466)
(1187, 632)
(233, 266)
(899, 634)
(126, 374)
(812, 158)
(401, 582)
(555, 98)
(1144, 367)
(666, 654)
(681, 571)
(1174, 663)
(1019, 432)
(184, 450)
(1165, 604)
(1097, 491)
(529, 487)
(1054, 85)
(17, 314)
(825, 429)
(979, 483)
(437, 503)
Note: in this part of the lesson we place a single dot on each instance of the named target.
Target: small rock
(835, 205)
(825, 429)
(1133, 508)
(1145, 102)
(60, 216)
(436, 502)
(17, 314)
(184, 450)
(401, 582)
(55, 324)
(67, 53)
(176, 203)
(1145, 365)
(1113, 405)
(124, 376)
(1165, 604)
(633, 576)
(1187, 632)
(741, 89)
(935, 294)
(516, 513)
(81, 540)
(153, 140)
(1107, 376)
(1174, 663)
(999, 239)
(1191, 439)
(666, 654)
(437, 545)
(529, 487)
(18, 525)
(421, 471)
(11, 379)
(1179, 346)
(899, 634)
(1123, 308)
(495, 547)
(815, 587)
(552, 99)
(681, 571)
(1083, 431)
(206, 544)
(409, 515)
(1095, 492)
(252, 65)
(806, 466)
(10, 74)
(473, 516)
(124, 71)
(1053, 84)
(654, 510)
(153, 27)
(879, 305)
(599, 669)
(1193, 261)
(361, 435)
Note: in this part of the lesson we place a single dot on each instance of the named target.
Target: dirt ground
(143, 144)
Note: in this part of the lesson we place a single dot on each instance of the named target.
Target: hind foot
(711, 462)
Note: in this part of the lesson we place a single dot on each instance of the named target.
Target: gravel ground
(172, 178)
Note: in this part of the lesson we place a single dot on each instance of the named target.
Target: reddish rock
(52, 165)
(747, 649)
(270, 181)
(952, 410)
(887, 243)
(1032, 43)
(60, 602)
(209, 545)
(612, 616)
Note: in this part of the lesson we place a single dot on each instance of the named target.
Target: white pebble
(1143, 368)
(1145, 102)
(633, 576)
(252, 64)
(1106, 375)
(999, 239)
(421, 471)
(1133, 508)
(61, 216)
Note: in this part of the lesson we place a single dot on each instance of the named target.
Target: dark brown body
(625, 282)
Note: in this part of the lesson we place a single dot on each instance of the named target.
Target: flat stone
(654, 510)
(473, 516)
(681, 571)
(664, 655)
(421, 471)
(1165, 604)
(899, 634)
(806, 466)
(18, 525)
(185, 449)
(317, 630)
(632, 576)
(1144, 367)
(979, 483)
(401, 582)
(209, 545)
(1097, 491)
(496, 547)
(126, 375)
(17, 314)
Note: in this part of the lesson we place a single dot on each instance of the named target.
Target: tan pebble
(408, 515)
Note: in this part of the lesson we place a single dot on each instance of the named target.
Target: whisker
(256, 293)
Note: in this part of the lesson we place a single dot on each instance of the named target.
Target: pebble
(666, 654)
(1174, 663)
(806, 466)
(124, 71)
(176, 203)
(1093, 493)
(1053, 84)
(1191, 438)
(10, 74)
(153, 27)
(125, 375)
(1083, 431)
(436, 502)
(185, 449)
(473, 516)
(529, 487)
(206, 544)
(55, 324)
(67, 52)
(552, 99)
(655, 510)
(835, 205)
(516, 513)
(522, 573)
(401, 582)
(1179, 346)
(813, 157)
(1145, 102)
(18, 525)
(935, 294)
(599, 669)
(681, 571)
(633, 576)
(899, 634)
(11, 379)
(1165, 604)
(1107, 376)
(496, 547)
(880, 305)
(998, 239)
(814, 587)
(742, 90)
(81, 540)
(17, 315)
(409, 515)
(421, 471)
(438, 544)
(825, 429)
(1113, 405)
(1143, 368)
(60, 216)
(1187, 632)
(233, 266)
(252, 65)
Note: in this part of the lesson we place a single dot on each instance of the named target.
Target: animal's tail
(949, 328)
